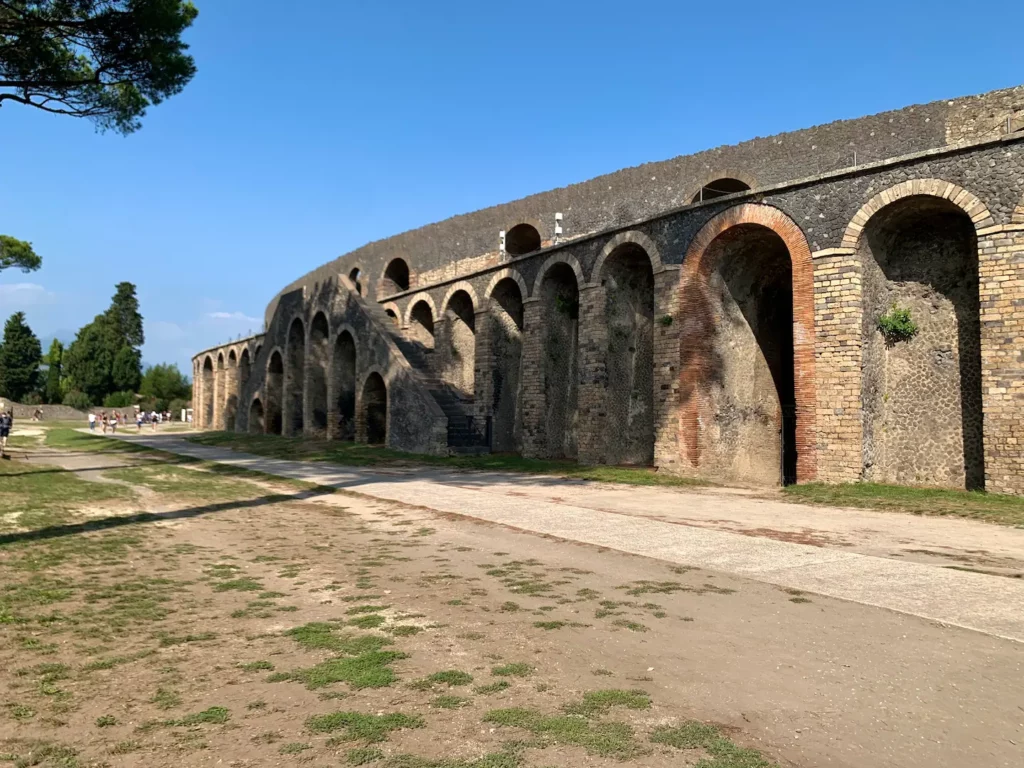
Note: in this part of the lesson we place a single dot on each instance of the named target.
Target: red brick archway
(696, 331)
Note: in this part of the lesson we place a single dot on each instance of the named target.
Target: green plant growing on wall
(567, 306)
(665, 320)
(897, 325)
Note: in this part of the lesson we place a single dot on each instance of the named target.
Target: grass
(324, 636)
(976, 505)
(213, 715)
(367, 670)
(496, 687)
(598, 702)
(722, 753)
(182, 483)
(598, 738)
(450, 677)
(358, 726)
(360, 455)
(256, 666)
(449, 701)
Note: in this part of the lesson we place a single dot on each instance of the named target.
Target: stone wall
(734, 338)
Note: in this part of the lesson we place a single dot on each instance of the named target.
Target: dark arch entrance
(421, 325)
(458, 353)
(319, 352)
(375, 409)
(208, 393)
(522, 238)
(294, 378)
(396, 277)
(344, 375)
(506, 333)
(628, 282)
(231, 382)
(256, 421)
(560, 310)
(275, 394)
(354, 275)
(922, 395)
(719, 188)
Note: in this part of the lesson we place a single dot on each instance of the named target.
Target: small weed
(166, 699)
(238, 585)
(509, 607)
(125, 747)
(724, 753)
(106, 721)
(497, 687)
(363, 756)
(367, 670)
(294, 748)
(256, 666)
(213, 715)
(632, 626)
(404, 630)
(448, 701)
(604, 739)
(516, 669)
(370, 621)
(450, 677)
(598, 702)
(602, 672)
(256, 705)
(21, 712)
(365, 609)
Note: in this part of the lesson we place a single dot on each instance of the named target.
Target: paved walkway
(731, 532)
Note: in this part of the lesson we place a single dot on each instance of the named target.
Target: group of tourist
(116, 419)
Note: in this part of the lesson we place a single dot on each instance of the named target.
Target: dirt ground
(245, 622)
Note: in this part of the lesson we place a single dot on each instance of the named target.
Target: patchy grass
(358, 726)
(450, 677)
(213, 715)
(598, 702)
(976, 505)
(367, 670)
(360, 455)
(723, 752)
(496, 687)
(449, 701)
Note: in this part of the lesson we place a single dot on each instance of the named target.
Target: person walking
(6, 425)
(113, 422)
(92, 421)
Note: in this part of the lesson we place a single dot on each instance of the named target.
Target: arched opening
(393, 317)
(457, 354)
(719, 188)
(231, 404)
(256, 354)
(628, 281)
(256, 421)
(560, 311)
(396, 277)
(354, 275)
(744, 357)
(275, 394)
(319, 351)
(522, 238)
(219, 394)
(344, 375)
(244, 370)
(421, 325)
(506, 332)
(294, 378)
(922, 394)
(375, 409)
(208, 393)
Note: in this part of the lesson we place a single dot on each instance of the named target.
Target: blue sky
(306, 134)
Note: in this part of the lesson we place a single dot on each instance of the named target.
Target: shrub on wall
(897, 325)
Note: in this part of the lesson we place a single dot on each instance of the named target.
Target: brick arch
(720, 173)
(462, 285)
(232, 357)
(968, 202)
(697, 328)
(379, 285)
(632, 236)
(502, 275)
(558, 258)
(394, 308)
(416, 299)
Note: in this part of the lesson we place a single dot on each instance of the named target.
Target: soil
(807, 680)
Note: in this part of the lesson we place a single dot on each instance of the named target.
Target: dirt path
(809, 680)
(658, 523)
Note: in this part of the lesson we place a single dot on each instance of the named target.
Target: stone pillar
(1001, 289)
(197, 395)
(593, 373)
(838, 313)
(532, 386)
(231, 390)
(483, 370)
(360, 415)
(666, 368)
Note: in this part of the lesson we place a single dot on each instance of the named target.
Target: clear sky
(315, 127)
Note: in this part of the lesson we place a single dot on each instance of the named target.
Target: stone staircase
(461, 436)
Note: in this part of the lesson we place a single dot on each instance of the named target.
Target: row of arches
(220, 384)
(314, 377)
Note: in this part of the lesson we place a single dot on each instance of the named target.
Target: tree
(18, 254)
(104, 357)
(105, 60)
(126, 372)
(20, 356)
(163, 384)
(52, 392)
